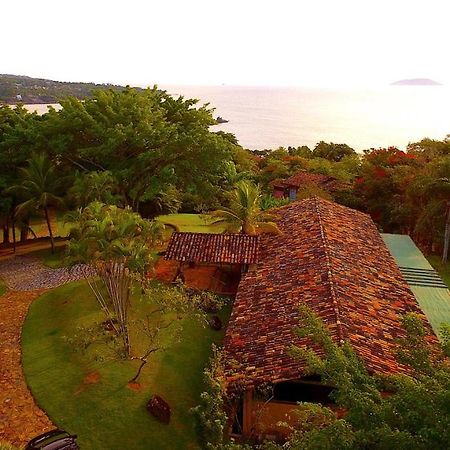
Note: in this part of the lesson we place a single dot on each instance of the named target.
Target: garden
(87, 392)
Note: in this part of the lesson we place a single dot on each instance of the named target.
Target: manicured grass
(59, 228)
(2, 287)
(49, 259)
(442, 269)
(197, 223)
(108, 414)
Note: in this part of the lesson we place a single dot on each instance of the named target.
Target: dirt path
(26, 247)
(20, 418)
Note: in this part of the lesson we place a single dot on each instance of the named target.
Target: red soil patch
(91, 378)
(135, 386)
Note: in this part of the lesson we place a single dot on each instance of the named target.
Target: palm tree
(244, 214)
(39, 187)
(117, 243)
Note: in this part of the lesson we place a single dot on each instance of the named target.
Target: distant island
(416, 82)
(28, 90)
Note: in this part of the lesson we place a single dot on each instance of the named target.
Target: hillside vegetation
(15, 88)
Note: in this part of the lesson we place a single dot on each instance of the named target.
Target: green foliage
(40, 188)
(115, 245)
(38, 90)
(96, 186)
(7, 446)
(414, 416)
(268, 201)
(244, 213)
(312, 190)
(102, 233)
(210, 415)
(331, 151)
(146, 139)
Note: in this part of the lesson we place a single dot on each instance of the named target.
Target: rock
(215, 323)
(159, 409)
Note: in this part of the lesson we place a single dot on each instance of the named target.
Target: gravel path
(24, 273)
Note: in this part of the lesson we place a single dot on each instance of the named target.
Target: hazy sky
(240, 42)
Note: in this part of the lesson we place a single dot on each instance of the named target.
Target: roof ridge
(330, 274)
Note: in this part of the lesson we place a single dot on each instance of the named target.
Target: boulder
(159, 409)
(215, 323)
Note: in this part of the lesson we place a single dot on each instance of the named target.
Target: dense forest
(156, 153)
(15, 88)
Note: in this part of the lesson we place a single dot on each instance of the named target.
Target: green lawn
(49, 259)
(442, 269)
(190, 223)
(60, 229)
(108, 414)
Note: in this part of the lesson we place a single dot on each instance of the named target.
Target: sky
(326, 43)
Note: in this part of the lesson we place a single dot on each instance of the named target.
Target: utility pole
(447, 234)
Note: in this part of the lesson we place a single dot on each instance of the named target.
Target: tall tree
(40, 189)
(147, 139)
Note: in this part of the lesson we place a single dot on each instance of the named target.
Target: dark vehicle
(53, 440)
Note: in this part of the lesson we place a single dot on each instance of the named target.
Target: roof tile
(333, 259)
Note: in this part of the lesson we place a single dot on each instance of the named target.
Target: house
(209, 261)
(289, 187)
(334, 260)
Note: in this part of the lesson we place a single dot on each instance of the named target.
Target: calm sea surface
(271, 117)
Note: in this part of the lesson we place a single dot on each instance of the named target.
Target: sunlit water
(271, 117)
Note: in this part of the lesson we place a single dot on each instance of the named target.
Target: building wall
(278, 192)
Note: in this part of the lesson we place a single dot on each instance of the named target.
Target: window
(304, 390)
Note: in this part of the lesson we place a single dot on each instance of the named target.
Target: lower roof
(430, 291)
(213, 248)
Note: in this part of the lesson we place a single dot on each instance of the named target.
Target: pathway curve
(20, 418)
(25, 273)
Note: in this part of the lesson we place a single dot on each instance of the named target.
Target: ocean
(266, 118)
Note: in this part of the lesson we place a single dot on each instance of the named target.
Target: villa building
(329, 257)
(289, 187)
(334, 260)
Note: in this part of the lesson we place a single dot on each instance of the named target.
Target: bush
(7, 446)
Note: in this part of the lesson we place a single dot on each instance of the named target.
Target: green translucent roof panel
(428, 288)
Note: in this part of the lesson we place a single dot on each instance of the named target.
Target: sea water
(269, 117)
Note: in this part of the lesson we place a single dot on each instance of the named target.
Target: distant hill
(17, 88)
(416, 82)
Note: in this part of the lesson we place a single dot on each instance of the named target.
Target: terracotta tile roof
(333, 259)
(213, 248)
(306, 178)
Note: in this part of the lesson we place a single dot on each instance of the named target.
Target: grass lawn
(49, 259)
(195, 223)
(102, 410)
(442, 269)
(59, 228)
